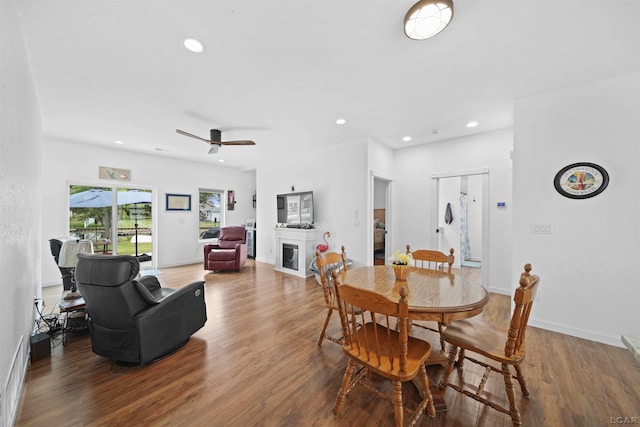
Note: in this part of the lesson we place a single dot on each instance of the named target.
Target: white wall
(20, 179)
(588, 265)
(176, 240)
(380, 166)
(337, 176)
(414, 197)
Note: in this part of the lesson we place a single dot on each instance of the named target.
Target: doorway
(380, 220)
(461, 217)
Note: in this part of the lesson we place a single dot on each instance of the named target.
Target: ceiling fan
(216, 140)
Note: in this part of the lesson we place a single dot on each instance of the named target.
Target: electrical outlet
(540, 228)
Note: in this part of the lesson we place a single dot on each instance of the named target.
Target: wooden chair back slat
(375, 336)
(373, 309)
(433, 260)
(326, 263)
(476, 336)
(523, 298)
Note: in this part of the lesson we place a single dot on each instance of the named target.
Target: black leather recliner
(133, 319)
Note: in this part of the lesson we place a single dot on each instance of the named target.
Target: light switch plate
(540, 228)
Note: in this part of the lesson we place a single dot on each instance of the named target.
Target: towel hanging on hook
(448, 215)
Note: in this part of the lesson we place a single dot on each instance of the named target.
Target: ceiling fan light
(213, 149)
(427, 18)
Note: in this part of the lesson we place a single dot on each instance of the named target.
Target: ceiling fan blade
(181, 132)
(241, 142)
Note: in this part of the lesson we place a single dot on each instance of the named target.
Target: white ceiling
(281, 72)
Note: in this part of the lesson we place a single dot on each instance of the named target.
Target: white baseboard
(633, 344)
(500, 291)
(13, 385)
(51, 283)
(579, 333)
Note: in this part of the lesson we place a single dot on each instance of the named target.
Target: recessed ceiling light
(193, 45)
(118, 142)
(472, 124)
(435, 131)
(406, 138)
(221, 160)
(341, 121)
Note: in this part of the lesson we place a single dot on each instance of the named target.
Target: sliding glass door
(92, 211)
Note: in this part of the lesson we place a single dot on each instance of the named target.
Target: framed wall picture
(118, 174)
(581, 180)
(178, 202)
(231, 200)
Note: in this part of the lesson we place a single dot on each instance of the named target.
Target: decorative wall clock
(581, 180)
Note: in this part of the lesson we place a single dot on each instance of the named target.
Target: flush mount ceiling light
(427, 18)
(341, 121)
(193, 45)
(472, 124)
(406, 138)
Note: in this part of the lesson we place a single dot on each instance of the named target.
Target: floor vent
(10, 394)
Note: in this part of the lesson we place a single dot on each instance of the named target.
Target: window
(91, 216)
(210, 210)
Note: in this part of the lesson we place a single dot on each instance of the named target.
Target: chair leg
(460, 362)
(513, 409)
(346, 383)
(444, 380)
(324, 328)
(397, 403)
(424, 379)
(440, 327)
(522, 381)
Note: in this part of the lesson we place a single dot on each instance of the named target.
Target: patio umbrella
(96, 198)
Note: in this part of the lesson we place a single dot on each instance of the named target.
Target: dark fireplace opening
(290, 256)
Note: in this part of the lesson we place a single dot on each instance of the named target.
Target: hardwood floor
(256, 363)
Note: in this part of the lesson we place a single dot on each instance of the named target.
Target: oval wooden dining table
(433, 296)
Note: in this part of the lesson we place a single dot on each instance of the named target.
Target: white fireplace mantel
(304, 241)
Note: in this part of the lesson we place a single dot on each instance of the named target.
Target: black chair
(67, 273)
(133, 319)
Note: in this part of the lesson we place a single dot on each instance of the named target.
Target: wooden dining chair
(372, 341)
(433, 260)
(326, 263)
(506, 347)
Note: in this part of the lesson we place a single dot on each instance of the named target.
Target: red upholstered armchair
(230, 253)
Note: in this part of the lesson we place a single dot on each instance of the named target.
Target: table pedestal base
(435, 368)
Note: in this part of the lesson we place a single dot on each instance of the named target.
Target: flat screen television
(295, 208)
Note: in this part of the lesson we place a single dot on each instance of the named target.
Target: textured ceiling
(281, 72)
